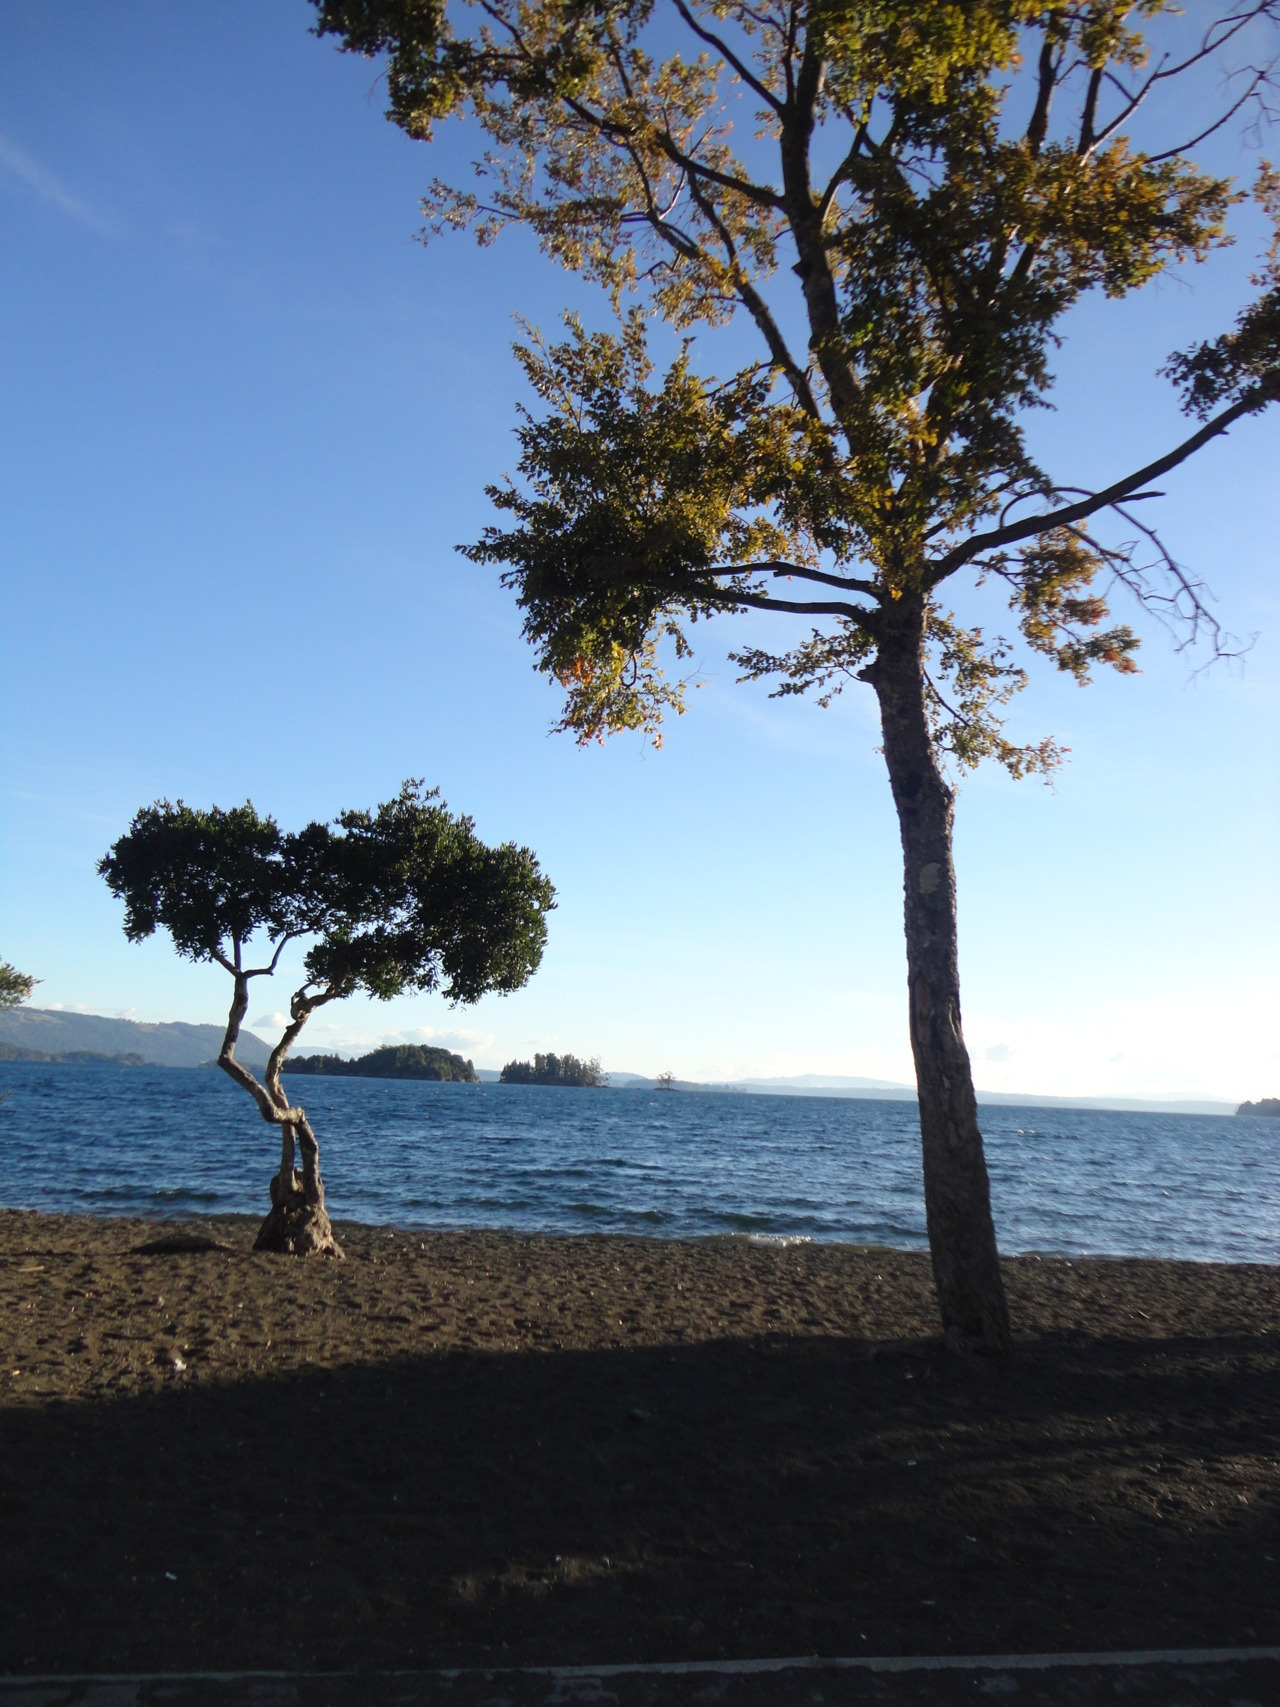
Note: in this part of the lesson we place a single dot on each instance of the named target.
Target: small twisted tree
(900, 199)
(406, 897)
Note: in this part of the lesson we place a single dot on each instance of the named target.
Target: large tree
(406, 897)
(901, 199)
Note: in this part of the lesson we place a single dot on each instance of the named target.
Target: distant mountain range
(53, 1031)
(886, 1090)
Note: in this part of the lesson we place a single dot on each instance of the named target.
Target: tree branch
(1260, 78)
(752, 192)
(267, 1105)
(1046, 82)
(713, 40)
(1089, 117)
(841, 173)
(1182, 612)
(803, 572)
(858, 614)
(997, 538)
(1215, 37)
(759, 310)
(301, 1008)
(813, 266)
(266, 971)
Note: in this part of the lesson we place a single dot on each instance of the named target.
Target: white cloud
(999, 1052)
(443, 1039)
(20, 165)
(332, 1035)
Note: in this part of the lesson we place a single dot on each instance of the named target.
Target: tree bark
(957, 1192)
(298, 1223)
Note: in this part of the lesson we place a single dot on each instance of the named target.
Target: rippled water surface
(169, 1141)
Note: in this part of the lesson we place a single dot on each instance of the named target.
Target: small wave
(762, 1170)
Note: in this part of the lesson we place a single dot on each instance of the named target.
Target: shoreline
(250, 1220)
(482, 1448)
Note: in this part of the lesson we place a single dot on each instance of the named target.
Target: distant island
(1268, 1106)
(67, 1057)
(396, 1061)
(555, 1070)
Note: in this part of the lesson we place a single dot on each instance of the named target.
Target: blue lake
(173, 1142)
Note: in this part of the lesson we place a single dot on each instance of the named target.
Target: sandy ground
(486, 1448)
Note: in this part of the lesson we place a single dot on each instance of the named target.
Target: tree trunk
(298, 1224)
(957, 1192)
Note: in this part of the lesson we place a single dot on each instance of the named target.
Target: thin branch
(1185, 602)
(1132, 103)
(672, 235)
(752, 192)
(266, 971)
(841, 173)
(759, 310)
(1215, 37)
(713, 40)
(1261, 78)
(997, 538)
(619, 132)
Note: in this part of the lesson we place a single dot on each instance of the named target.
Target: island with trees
(1267, 1106)
(396, 1061)
(555, 1070)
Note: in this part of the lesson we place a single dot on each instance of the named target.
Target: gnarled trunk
(298, 1223)
(957, 1192)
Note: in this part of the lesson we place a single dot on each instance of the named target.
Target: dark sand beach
(489, 1448)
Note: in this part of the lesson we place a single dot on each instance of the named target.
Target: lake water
(173, 1142)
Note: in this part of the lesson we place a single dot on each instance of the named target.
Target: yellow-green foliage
(901, 199)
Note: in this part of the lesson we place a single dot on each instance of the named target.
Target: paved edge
(679, 1668)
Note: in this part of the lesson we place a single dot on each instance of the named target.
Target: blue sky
(246, 419)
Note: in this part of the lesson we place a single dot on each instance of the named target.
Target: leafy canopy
(15, 986)
(902, 198)
(406, 897)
